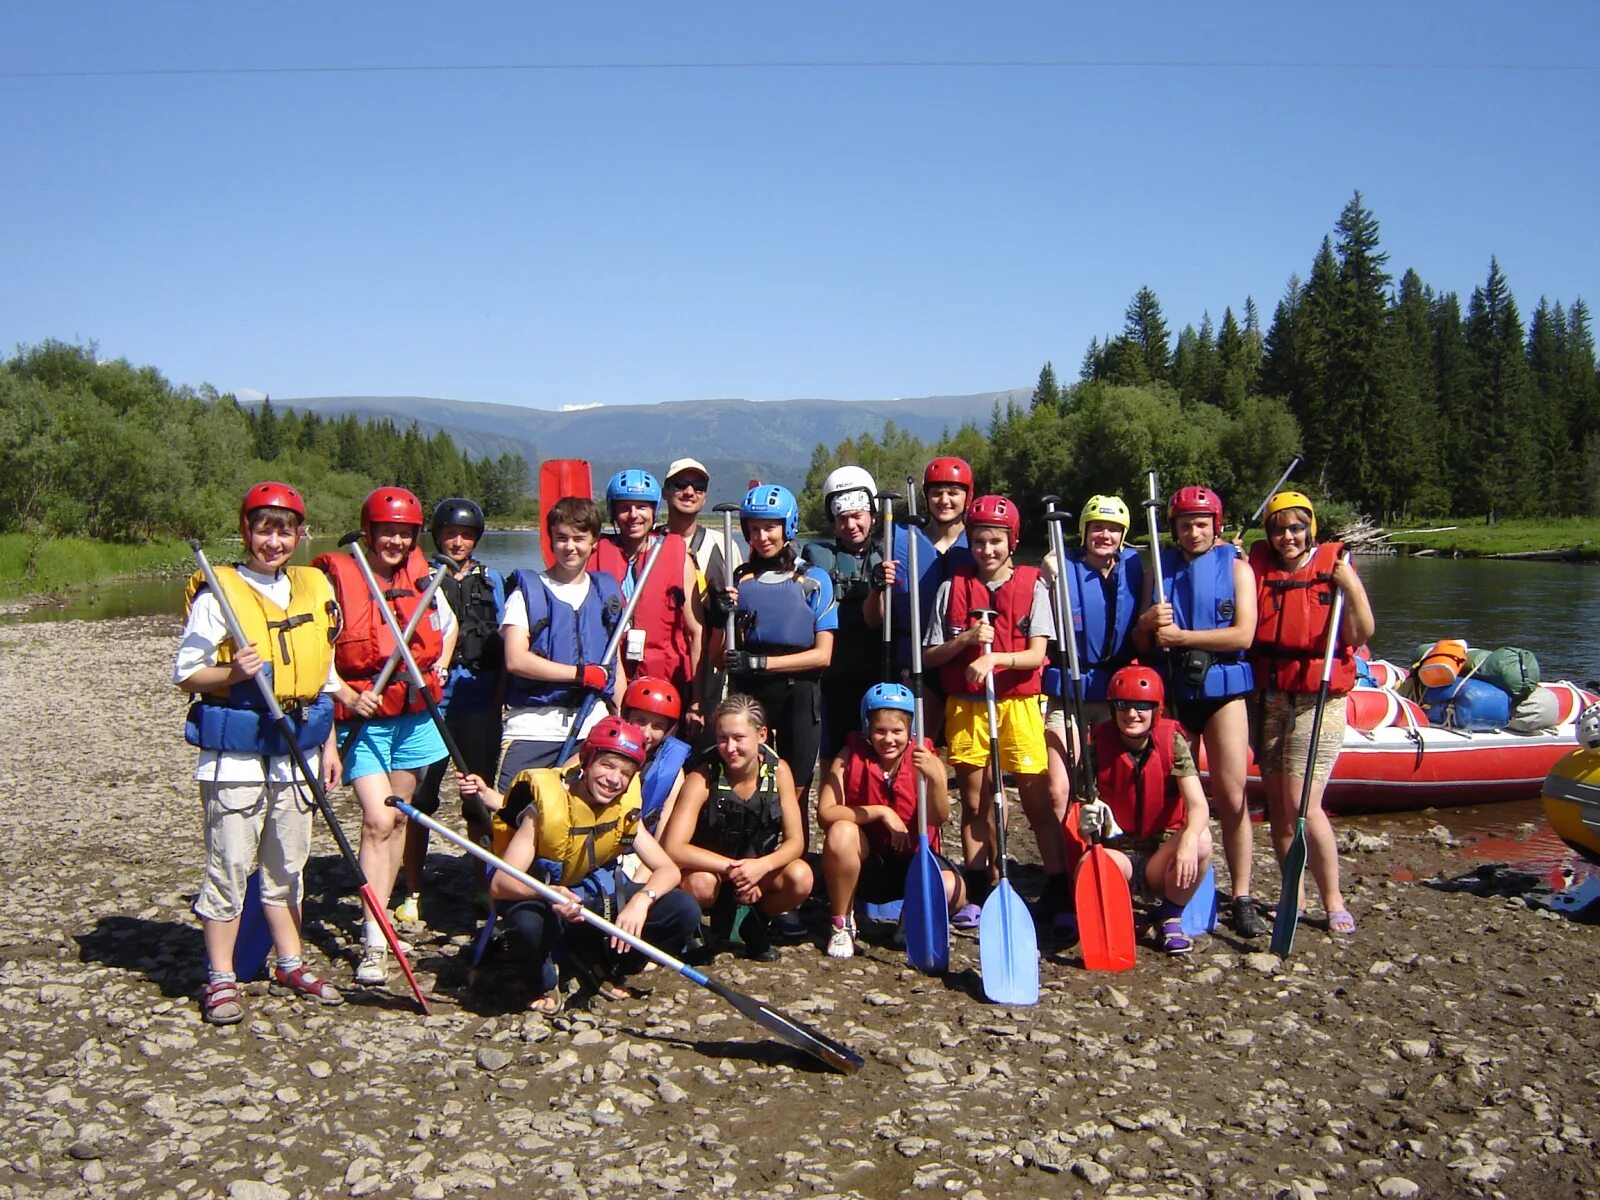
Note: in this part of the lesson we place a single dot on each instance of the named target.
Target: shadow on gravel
(169, 954)
(769, 1054)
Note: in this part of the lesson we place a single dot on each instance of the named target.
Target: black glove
(880, 582)
(742, 662)
(720, 604)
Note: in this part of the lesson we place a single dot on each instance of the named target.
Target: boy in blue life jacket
(257, 809)
(556, 626)
(473, 692)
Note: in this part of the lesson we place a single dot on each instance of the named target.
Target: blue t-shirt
(935, 568)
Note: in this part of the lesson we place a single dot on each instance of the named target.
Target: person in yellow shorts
(994, 618)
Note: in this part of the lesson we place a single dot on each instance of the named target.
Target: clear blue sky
(614, 234)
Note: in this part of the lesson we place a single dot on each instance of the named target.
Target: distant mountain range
(738, 440)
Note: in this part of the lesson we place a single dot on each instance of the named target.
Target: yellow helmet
(1283, 500)
(1109, 509)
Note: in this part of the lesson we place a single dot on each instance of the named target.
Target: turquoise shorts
(405, 743)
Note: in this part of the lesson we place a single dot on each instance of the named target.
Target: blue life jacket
(243, 725)
(935, 568)
(561, 634)
(775, 617)
(656, 780)
(1201, 593)
(1103, 610)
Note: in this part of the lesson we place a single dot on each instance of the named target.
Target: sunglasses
(1138, 706)
(1297, 528)
(686, 485)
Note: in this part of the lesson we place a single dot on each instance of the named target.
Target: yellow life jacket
(298, 641)
(574, 838)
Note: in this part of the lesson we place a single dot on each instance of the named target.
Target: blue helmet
(633, 484)
(887, 695)
(772, 502)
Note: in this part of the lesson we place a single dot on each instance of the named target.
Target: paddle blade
(560, 477)
(925, 915)
(1294, 870)
(1008, 948)
(1200, 914)
(798, 1034)
(375, 911)
(1105, 913)
(254, 941)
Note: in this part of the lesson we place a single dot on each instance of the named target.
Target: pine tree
(1452, 379)
(1503, 447)
(1047, 393)
(1144, 325)
(1362, 409)
(1419, 486)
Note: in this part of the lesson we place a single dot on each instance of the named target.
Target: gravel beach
(1452, 1048)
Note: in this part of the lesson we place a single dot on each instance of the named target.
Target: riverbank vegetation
(1406, 403)
(31, 564)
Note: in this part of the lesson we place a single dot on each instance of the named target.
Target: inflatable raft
(1394, 759)
(1572, 801)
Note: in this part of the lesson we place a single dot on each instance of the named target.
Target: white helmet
(848, 479)
(1589, 728)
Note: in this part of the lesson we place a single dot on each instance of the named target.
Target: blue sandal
(1173, 939)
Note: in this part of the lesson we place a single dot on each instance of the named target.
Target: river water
(1550, 608)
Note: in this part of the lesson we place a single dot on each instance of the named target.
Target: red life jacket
(1292, 611)
(865, 784)
(1012, 601)
(660, 611)
(364, 642)
(1142, 795)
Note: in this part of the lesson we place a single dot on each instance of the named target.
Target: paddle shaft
(994, 756)
(1151, 504)
(382, 681)
(624, 623)
(913, 586)
(887, 500)
(1282, 479)
(313, 780)
(1068, 638)
(403, 645)
(1328, 650)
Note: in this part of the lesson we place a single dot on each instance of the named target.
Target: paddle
(1282, 479)
(558, 478)
(318, 795)
(1100, 893)
(801, 1036)
(925, 914)
(727, 510)
(1200, 913)
(887, 499)
(1294, 862)
(1008, 946)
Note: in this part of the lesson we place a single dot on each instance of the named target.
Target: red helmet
(391, 504)
(617, 736)
(947, 470)
(272, 495)
(1189, 501)
(652, 694)
(1136, 683)
(997, 510)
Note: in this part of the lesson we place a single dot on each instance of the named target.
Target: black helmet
(456, 511)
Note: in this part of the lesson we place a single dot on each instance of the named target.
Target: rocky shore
(1452, 1048)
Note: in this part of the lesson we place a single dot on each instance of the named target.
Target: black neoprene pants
(793, 705)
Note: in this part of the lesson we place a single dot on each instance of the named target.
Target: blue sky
(619, 234)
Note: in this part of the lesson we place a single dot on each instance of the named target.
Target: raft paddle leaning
(1294, 862)
(1273, 491)
(303, 765)
(799, 1035)
(1100, 894)
(887, 499)
(1008, 945)
(926, 912)
(727, 511)
(559, 478)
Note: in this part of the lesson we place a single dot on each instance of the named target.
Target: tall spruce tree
(1503, 446)
(1047, 392)
(1357, 393)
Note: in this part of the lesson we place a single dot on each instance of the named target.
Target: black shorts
(1194, 715)
(883, 877)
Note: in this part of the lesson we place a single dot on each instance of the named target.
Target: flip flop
(966, 917)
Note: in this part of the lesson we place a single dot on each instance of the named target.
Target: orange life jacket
(1292, 611)
(1012, 602)
(1139, 789)
(364, 642)
(660, 611)
(865, 783)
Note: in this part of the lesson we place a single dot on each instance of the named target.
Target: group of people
(653, 706)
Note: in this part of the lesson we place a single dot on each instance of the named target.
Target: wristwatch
(651, 892)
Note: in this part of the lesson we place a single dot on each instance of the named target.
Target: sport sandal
(301, 982)
(221, 1004)
(1173, 939)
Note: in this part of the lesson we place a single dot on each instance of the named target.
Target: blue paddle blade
(1008, 948)
(925, 914)
(1288, 918)
(254, 941)
(1200, 914)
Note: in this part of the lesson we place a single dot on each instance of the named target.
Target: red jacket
(1292, 612)
(660, 612)
(864, 784)
(364, 642)
(1013, 602)
(1142, 795)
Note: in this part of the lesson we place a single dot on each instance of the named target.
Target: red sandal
(301, 982)
(221, 1004)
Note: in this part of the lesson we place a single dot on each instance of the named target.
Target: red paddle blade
(370, 899)
(1105, 913)
(559, 477)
